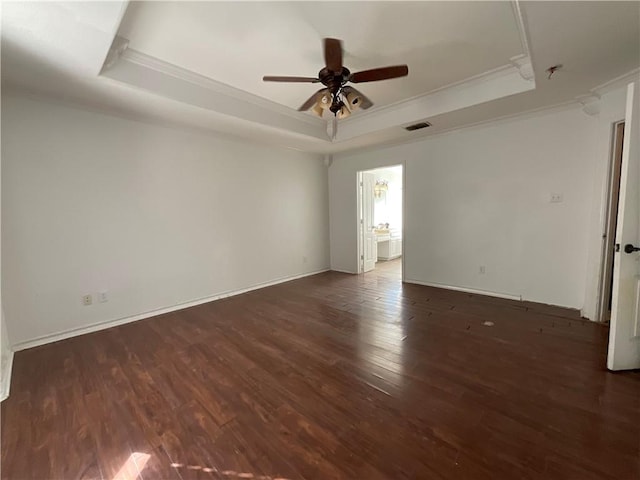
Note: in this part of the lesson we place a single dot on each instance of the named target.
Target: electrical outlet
(87, 300)
(555, 198)
(103, 296)
(482, 270)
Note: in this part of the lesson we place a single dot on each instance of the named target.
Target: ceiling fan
(338, 97)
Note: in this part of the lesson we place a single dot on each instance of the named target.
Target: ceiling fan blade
(364, 101)
(383, 73)
(333, 54)
(311, 101)
(290, 79)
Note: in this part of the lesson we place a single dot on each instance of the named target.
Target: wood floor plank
(332, 376)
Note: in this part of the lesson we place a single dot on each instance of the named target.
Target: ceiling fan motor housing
(333, 80)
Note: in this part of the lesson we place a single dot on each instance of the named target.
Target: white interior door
(624, 333)
(369, 237)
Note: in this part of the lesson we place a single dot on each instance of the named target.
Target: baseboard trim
(343, 271)
(466, 290)
(6, 377)
(587, 315)
(74, 332)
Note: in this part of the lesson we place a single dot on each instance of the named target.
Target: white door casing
(624, 333)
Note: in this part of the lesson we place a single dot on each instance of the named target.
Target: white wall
(480, 196)
(156, 216)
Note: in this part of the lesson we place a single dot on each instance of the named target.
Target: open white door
(370, 252)
(624, 333)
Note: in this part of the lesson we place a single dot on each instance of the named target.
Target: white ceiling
(237, 43)
(199, 65)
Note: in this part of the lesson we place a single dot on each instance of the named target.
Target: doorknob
(628, 248)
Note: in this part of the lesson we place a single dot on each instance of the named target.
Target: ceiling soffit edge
(488, 76)
(482, 88)
(175, 83)
(152, 63)
(166, 79)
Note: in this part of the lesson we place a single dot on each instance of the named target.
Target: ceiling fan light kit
(339, 98)
(318, 109)
(344, 112)
(353, 100)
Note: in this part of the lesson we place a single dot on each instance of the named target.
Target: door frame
(609, 232)
(360, 220)
(360, 213)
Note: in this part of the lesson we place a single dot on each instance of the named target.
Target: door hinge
(617, 247)
(361, 257)
(361, 221)
(361, 184)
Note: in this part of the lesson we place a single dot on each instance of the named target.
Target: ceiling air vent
(417, 126)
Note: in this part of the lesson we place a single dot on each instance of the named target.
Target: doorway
(606, 280)
(380, 220)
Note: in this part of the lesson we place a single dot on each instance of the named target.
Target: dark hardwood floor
(328, 377)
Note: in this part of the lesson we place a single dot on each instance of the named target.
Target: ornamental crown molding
(590, 103)
(117, 49)
(523, 64)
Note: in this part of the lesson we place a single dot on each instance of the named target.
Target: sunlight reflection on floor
(227, 473)
(132, 467)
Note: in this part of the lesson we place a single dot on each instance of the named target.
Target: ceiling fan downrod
(337, 103)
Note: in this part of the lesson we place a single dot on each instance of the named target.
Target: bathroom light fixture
(380, 187)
